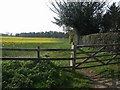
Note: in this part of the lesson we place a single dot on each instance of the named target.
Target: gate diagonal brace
(112, 59)
(91, 56)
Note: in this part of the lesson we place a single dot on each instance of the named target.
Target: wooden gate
(83, 56)
(87, 56)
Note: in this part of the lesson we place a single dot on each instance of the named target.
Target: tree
(83, 17)
(112, 19)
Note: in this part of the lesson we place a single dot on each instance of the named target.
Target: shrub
(39, 74)
(102, 38)
(32, 74)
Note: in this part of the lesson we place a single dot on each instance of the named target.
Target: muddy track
(101, 82)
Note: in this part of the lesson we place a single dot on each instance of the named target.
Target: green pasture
(24, 42)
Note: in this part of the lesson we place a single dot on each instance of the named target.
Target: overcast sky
(26, 16)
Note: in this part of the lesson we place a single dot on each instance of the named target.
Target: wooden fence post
(73, 55)
(38, 52)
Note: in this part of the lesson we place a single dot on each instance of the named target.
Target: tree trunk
(77, 37)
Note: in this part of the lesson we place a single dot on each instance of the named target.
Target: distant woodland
(49, 34)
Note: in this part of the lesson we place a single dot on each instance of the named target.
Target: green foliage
(112, 19)
(21, 74)
(39, 74)
(50, 34)
(84, 17)
(102, 38)
(110, 71)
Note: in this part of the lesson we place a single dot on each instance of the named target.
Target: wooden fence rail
(77, 54)
(38, 50)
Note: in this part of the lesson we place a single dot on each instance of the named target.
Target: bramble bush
(29, 74)
(39, 74)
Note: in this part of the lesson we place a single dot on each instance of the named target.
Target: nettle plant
(30, 74)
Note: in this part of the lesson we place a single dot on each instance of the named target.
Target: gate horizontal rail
(96, 65)
(97, 45)
(99, 55)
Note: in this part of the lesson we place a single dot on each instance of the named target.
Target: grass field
(8, 39)
(23, 42)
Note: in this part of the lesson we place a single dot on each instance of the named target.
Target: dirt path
(101, 82)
